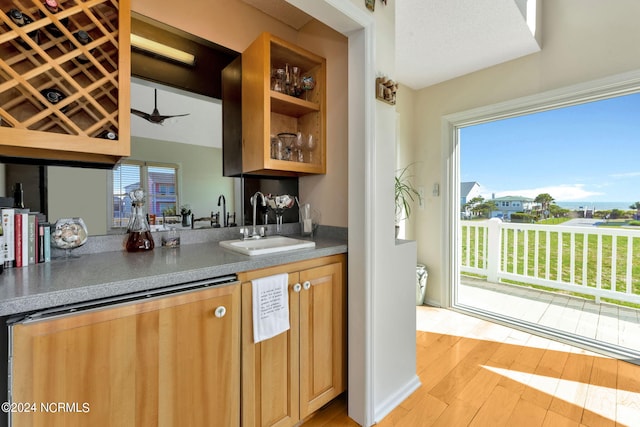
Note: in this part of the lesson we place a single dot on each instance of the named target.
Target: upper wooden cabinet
(44, 47)
(267, 112)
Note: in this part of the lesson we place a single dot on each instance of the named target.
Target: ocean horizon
(599, 206)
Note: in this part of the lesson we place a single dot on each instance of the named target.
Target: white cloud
(564, 192)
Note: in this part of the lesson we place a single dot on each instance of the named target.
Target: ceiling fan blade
(155, 117)
(175, 115)
(140, 113)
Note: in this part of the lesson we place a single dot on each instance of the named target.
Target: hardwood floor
(477, 373)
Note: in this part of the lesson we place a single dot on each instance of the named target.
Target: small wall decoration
(371, 4)
(386, 90)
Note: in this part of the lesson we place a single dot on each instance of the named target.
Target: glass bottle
(53, 7)
(83, 38)
(108, 134)
(139, 233)
(20, 19)
(18, 196)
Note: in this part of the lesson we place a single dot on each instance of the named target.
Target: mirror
(193, 142)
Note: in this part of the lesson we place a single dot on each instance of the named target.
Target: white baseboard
(396, 399)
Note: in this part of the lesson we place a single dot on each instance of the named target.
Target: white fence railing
(599, 261)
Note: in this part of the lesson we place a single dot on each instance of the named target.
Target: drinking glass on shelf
(296, 90)
(288, 80)
(278, 79)
(299, 144)
(308, 83)
(287, 139)
(311, 146)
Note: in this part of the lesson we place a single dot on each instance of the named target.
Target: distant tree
(484, 209)
(545, 200)
(636, 206)
(557, 212)
(616, 213)
(471, 204)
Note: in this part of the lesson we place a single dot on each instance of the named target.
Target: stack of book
(26, 237)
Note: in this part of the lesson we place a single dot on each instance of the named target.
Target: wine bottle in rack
(53, 96)
(84, 38)
(20, 19)
(107, 134)
(53, 7)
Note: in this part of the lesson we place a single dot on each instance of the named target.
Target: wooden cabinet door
(270, 368)
(322, 336)
(163, 362)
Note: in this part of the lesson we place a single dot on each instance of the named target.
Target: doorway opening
(546, 234)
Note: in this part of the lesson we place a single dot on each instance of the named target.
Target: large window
(159, 182)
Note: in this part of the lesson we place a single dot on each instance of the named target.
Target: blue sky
(588, 152)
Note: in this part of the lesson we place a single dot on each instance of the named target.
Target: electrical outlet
(436, 190)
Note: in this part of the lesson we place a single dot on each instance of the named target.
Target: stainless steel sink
(267, 245)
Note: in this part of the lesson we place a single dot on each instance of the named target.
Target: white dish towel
(270, 306)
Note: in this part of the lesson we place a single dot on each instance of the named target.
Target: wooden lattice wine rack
(42, 52)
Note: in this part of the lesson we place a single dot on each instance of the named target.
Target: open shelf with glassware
(283, 93)
(64, 79)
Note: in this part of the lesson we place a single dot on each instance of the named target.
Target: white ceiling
(282, 11)
(437, 40)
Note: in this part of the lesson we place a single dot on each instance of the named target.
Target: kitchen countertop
(107, 274)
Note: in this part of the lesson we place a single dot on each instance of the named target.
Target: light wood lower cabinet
(167, 361)
(288, 377)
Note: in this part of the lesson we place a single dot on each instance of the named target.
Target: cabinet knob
(306, 285)
(220, 311)
(297, 287)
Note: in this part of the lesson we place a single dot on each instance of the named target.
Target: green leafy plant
(405, 194)
(185, 210)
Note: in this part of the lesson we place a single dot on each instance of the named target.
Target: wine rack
(51, 52)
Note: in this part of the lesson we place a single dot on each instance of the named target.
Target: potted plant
(405, 194)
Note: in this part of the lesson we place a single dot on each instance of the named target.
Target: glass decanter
(139, 238)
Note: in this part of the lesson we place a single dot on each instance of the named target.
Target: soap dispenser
(139, 233)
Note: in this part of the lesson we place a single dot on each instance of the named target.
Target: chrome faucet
(225, 221)
(254, 202)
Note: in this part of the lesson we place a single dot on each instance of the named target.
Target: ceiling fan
(155, 116)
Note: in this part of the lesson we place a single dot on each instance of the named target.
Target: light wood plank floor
(478, 373)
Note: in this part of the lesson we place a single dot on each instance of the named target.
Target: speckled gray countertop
(100, 275)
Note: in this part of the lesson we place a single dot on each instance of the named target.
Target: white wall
(78, 192)
(382, 369)
(393, 276)
(582, 40)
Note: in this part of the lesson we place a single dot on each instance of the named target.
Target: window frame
(144, 180)
(605, 88)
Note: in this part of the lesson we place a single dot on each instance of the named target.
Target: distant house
(468, 191)
(507, 205)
